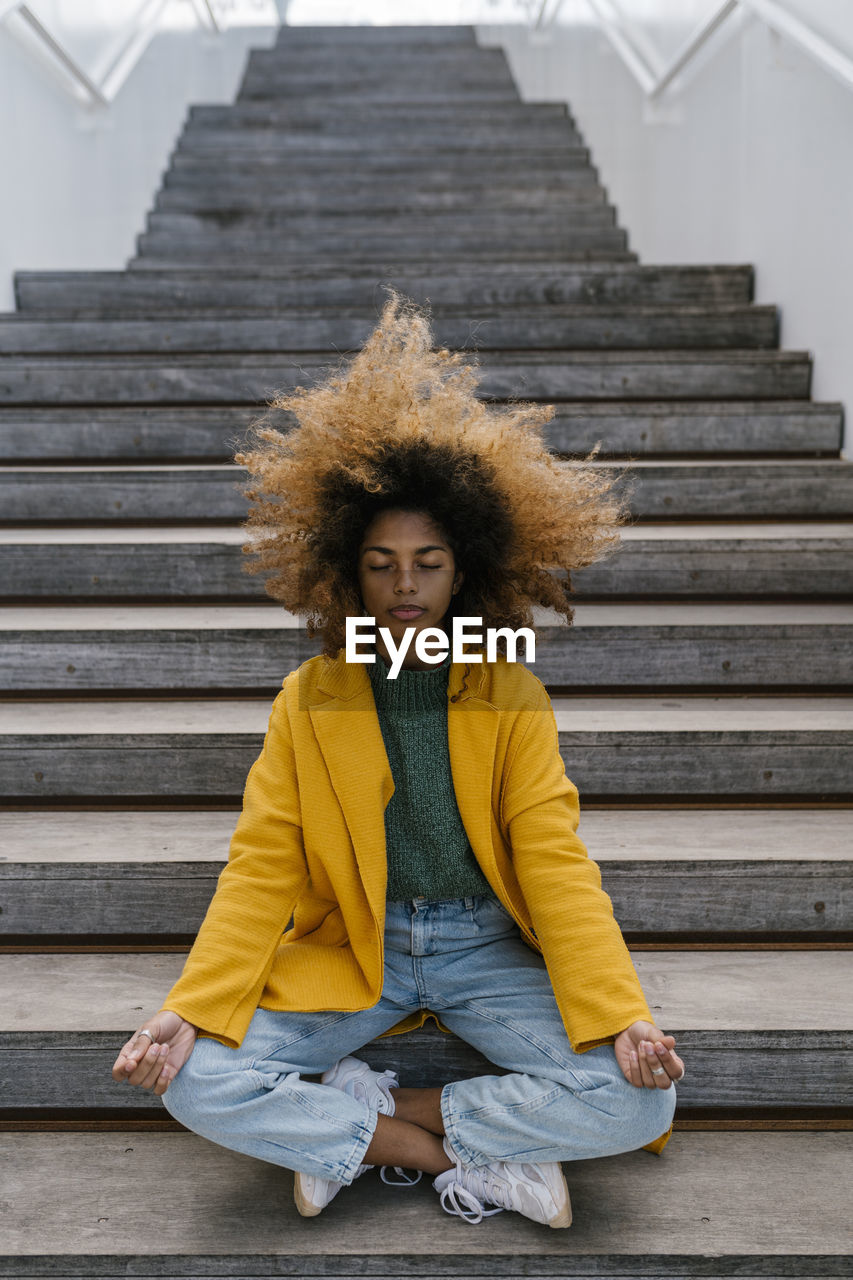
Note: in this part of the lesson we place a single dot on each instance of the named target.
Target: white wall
(78, 180)
(749, 160)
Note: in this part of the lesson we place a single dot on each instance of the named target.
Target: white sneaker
(357, 1079)
(311, 1194)
(538, 1191)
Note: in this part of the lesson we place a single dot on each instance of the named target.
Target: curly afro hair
(400, 426)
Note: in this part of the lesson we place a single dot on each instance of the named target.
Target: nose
(405, 582)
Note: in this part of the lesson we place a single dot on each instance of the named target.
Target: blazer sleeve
(596, 985)
(227, 968)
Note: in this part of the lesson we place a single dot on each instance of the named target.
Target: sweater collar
(412, 692)
(345, 680)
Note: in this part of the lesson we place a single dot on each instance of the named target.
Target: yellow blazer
(310, 844)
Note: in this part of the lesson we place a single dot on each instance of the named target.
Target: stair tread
(567, 329)
(150, 837)
(582, 410)
(204, 318)
(585, 715)
(731, 561)
(228, 471)
(227, 535)
(430, 142)
(211, 493)
(450, 33)
(729, 648)
(720, 1195)
(710, 990)
(255, 616)
(509, 357)
(697, 271)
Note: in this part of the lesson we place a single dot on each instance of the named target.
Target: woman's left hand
(642, 1050)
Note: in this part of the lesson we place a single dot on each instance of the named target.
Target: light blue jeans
(466, 961)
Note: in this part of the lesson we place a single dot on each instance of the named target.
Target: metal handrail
(103, 91)
(654, 81)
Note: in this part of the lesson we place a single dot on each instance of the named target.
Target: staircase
(703, 695)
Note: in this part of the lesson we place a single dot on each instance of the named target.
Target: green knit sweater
(429, 855)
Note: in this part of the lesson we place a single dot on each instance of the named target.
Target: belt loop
(469, 904)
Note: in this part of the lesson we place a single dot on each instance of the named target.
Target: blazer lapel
(472, 730)
(347, 729)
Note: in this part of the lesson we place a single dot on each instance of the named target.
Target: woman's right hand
(154, 1062)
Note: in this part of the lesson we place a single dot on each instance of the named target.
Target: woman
(420, 831)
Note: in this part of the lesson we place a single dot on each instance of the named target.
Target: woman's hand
(152, 1061)
(641, 1050)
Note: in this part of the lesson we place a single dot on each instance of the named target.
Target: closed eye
(378, 568)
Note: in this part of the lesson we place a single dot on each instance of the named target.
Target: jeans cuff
(458, 1148)
(349, 1168)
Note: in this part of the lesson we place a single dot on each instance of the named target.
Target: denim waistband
(417, 904)
(423, 927)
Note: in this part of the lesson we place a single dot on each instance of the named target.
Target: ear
(457, 581)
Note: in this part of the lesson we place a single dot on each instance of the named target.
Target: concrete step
(99, 649)
(187, 433)
(471, 288)
(150, 876)
(734, 1015)
(749, 749)
(151, 563)
(581, 327)
(820, 489)
(714, 1205)
(251, 378)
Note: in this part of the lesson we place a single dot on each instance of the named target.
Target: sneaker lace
(465, 1196)
(403, 1179)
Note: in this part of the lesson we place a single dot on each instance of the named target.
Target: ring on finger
(657, 1071)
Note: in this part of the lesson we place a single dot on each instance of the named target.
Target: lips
(407, 612)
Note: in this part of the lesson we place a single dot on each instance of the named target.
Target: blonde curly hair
(400, 426)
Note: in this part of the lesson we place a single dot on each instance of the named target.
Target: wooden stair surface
(192, 433)
(134, 648)
(719, 1204)
(703, 694)
(670, 875)
(738, 1015)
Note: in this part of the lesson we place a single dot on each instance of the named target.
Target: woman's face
(407, 575)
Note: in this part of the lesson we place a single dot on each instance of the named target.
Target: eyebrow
(389, 551)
